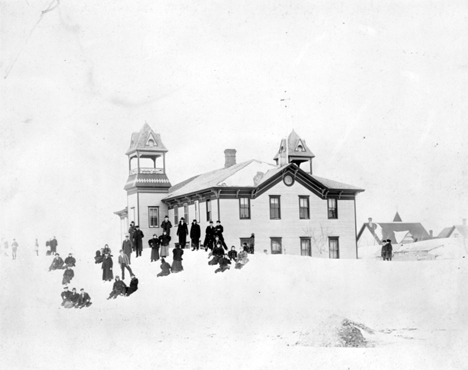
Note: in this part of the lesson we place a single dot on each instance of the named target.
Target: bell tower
(294, 150)
(147, 182)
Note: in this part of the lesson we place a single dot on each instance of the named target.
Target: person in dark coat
(195, 234)
(218, 253)
(57, 263)
(166, 226)
(98, 257)
(138, 240)
(182, 232)
(106, 249)
(133, 286)
(232, 254)
(68, 275)
(219, 229)
(84, 300)
(154, 243)
(53, 245)
(242, 259)
(70, 260)
(119, 288)
(72, 300)
(48, 251)
(209, 236)
(131, 231)
(14, 248)
(165, 268)
(389, 250)
(124, 264)
(107, 264)
(164, 240)
(177, 260)
(65, 295)
(127, 247)
(224, 263)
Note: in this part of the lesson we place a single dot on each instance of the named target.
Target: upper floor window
(153, 216)
(334, 247)
(332, 208)
(304, 207)
(208, 210)
(275, 207)
(244, 208)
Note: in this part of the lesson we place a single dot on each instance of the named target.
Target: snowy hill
(279, 312)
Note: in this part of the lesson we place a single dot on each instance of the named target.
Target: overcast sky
(377, 89)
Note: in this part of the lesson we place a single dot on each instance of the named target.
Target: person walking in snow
(84, 300)
(195, 234)
(124, 264)
(182, 232)
(138, 239)
(36, 248)
(164, 240)
(154, 244)
(119, 288)
(107, 264)
(165, 268)
(14, 248)
(166, 226)
(177, 260)
(68, 275)
(127, 247)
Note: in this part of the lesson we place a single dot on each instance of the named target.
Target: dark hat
(211, 222)
(166, 216)
(218, 222)
(65, 287)
(137, 226)
(182, 219)
(388, 240)
(194, 220)
(81, 289)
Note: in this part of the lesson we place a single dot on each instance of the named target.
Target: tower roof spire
(146, 140)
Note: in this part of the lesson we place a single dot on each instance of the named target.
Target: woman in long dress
(177, 261)
(164, 239)
(107, 264)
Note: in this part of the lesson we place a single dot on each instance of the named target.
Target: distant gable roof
(296, 147)
(390, 230)
(146, 140)
(448, 231)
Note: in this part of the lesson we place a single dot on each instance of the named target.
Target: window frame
(337, 239)
(208, 210)
(150, 208)
(277, 240)
(308, 239)
(244, 207)
(271, 208)
(330, 215)
(176, 215)
(307, 198)
(186, 212)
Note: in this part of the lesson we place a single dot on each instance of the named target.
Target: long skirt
(177, 266)
(154, 254)
(164, 251)
(107, 274)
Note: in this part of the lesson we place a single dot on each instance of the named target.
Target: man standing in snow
(14, 248)
(182, 231)
(138, 240)
(53, 245)
(209, 236)
(131, 231)
(124, 264)
(195, 234)
(127, 247)
(166, 226)
(219, 229)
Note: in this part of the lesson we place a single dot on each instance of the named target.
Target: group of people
(14, 248)
(72, 299)
(387, 250)
(51, 246)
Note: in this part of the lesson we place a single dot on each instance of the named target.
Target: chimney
(464, 221)
(431, 233)
(229, 157)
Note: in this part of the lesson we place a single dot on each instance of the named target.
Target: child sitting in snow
(68, 275)
(165, 268)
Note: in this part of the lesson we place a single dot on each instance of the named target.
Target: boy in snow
(119, 288)
(70, 260)
(65, 295)
(68, 275)
(73, 299)
(57, 263)
(232, 254)
(218, 253)
(124, 263)
(165, 268)
(133, 286)
(84, 300)
(242, 259)
(224, 263)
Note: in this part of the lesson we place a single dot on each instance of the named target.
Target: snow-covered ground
(279, 312)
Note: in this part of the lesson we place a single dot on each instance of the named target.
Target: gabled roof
(146, 140)
(397, 218)
(296, 147)
(448, 231)
(238, 175)
(390, 230)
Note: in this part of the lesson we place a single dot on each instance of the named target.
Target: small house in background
(456, 231)
(399, 232)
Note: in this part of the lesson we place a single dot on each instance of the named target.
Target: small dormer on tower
(294, 150)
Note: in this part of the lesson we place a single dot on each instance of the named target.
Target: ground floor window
(305, 247)
(334, 247)
(176, 215)
(186, 213)
(153, 216)
(276, 246)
